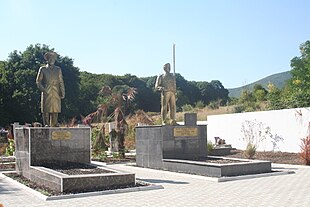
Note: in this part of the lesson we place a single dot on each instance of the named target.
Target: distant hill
(278, 79)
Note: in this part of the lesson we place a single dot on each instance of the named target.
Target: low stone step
(7, 163)
(7, 159)
(7, 166)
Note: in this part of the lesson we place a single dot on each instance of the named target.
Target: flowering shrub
(10, 149)
(305, 150)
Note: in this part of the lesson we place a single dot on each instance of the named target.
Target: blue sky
(234, 41)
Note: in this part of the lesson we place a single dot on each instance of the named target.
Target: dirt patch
(116, 160)
(218, 160)
(274, 157)
(76, 169)
(222, 161)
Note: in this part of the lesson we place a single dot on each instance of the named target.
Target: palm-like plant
(118, 100)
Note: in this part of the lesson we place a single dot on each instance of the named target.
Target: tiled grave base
(241, 167)
(60, 182)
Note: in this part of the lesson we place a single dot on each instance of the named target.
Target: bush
(199, 104)
(305, 150)
(94, 133)
(10, 149)
(214, 105)
(98, 138)
(187, 108)
(99, 155)
(239, 108)
(210, 146)
(250, 151)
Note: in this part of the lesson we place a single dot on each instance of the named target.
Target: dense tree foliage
(20, 97)
(259, 92)
(213, 91)
(252, 100)
(275, 97)
(299, 86)
(146, 98)
(71, 76)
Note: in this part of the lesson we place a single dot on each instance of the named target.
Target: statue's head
(167, 67)
(50, 57)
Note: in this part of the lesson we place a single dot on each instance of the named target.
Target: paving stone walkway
(184, 190)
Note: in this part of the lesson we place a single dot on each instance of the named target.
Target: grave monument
(41, 150)
(44, 154)
(183, 148)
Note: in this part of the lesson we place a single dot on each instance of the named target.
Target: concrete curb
(277, 169)
(276, 165)
(243, 177)
(106, 192)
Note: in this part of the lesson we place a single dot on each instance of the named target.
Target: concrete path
(184, 190)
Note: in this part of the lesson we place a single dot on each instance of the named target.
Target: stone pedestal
(155, 143)
(38, 146)
(190, 119)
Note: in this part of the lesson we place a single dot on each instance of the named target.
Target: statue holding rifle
(166, 83)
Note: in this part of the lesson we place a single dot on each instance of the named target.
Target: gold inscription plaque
(61, 135)
(185, 132)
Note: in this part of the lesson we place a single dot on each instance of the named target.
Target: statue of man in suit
(50, 82)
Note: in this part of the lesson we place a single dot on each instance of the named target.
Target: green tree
(212, 92)
(274, 98)
(4, 94)
(187, 92)
(207, 92)
(247, 96)
(220, 91)
(299, 85)
(146, 98)
(259, 92)
(71, 76)
(89, 87)
(248, 101)
(21, 97)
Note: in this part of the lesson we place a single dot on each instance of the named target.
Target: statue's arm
(158, 84)
(39, 81)
(61, 84)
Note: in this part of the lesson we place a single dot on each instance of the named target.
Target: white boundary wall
(290, 124)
